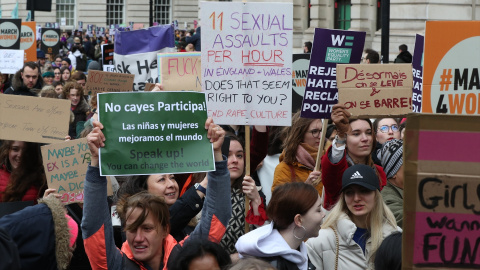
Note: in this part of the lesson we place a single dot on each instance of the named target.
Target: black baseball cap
(361, 175)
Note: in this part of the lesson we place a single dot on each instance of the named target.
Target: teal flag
(154, 132)
(15, 11)
(0, 12)
(29, 16)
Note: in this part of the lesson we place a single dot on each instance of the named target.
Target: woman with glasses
(57, 74)
(354, 143)
(386, 129)
(298, 158)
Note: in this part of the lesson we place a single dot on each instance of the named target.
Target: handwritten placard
(247, 62)
(442, 199)
(66, 166)
(375, 90)
(33, 119)
(11, 61)
(180, 71)
(102, 81)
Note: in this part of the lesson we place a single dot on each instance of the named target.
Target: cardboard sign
(66, 166)
(329, 48)
(154, 132)
(28, 41)
(300, 64)
(101, 81)
(180, 71)
(417, 68)
(451, 80)
(149, 87)
(50, 40)
(441, 194)
(33, 119)
(375, 90)
(10, 30)
(11, 61)
(247, 62)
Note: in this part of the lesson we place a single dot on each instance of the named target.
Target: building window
(161, 12)
(343, 17)
(115, 12)
(66, 9)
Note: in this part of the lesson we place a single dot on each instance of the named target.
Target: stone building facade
(407, 17)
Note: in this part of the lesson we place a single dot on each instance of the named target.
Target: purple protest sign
(417, 66)
(330, 47)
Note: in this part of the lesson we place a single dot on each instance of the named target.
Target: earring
(304, 233)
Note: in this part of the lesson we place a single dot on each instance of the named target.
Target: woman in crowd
(57, 61)
(74, 92)
(244, 186)
(200, 255)
(296, 215)
(146, 215)
(48, 77)
(22, 177)
(297, 161)
(65, 74)
(57, 74)
(356, 226)
(386, 129)
(356, 148)
(58, 86)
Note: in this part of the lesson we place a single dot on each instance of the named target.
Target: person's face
(163, 185)
(146, 241)
(58, 61)
(15, 153)
(359, 200)
(313, 219)
(30, 77)
(41, 61)
(48, 80)
(59, 89)
(66, 75)
(82, 83)
(74, 97)
(235, 163)
(206, 262)
(57, 74)
(364, 59)
(65, 64)
(305, 49)
(390, 124)
(313, 140)
(359, 140)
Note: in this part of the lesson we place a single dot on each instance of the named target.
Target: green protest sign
(154, 132)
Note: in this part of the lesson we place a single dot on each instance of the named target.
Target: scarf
(307, 155)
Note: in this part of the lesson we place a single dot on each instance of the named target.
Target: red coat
(332, 179)
(30, 195)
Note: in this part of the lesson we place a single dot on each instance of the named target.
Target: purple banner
(417, 66)
(330, 47)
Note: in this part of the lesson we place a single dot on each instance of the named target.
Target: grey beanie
(94, 65)
(391, 157)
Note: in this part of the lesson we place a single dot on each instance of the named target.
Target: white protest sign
(247, 62)
(11, 61)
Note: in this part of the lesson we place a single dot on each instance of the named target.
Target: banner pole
(322, 142)
(247, 173)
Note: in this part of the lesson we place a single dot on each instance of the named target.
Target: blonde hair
(379, 215)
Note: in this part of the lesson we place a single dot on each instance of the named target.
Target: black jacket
(404, 57)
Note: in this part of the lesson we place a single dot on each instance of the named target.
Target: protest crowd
(283, 212)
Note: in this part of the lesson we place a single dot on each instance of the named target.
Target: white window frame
(65, 9)
(118, 15)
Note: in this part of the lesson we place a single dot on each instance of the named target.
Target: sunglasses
(385, 128)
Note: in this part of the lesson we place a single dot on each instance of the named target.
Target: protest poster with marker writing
(154, 132)
(247, 62)
(330, 47)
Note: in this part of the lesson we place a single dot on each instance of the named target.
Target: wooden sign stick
(322, 142)
(247, 172)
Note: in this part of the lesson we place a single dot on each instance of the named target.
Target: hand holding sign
(340, 116)
(216, 134)
(95, 140)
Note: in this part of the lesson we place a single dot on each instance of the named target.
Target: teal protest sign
(154, 132)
